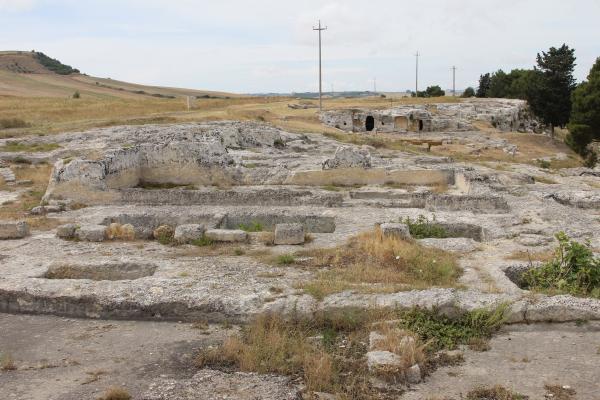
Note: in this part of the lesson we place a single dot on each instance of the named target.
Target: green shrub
(77, 95)
(573, 270)
(285, 259)
(443, 332)
(544, 164)
(203, 242)
(253, 226)
(423, 228)
(9, 123)
(55, 65)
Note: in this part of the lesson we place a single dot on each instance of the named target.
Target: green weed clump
(424, 228)
(14, 147)
(444, 332)
(253, 226)
(285, 259)
(9, 123)
(573, 270)
(203, 241)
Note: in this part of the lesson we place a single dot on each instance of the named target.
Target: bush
(443, 332)
(55, 65)
(574, 270)
(9, 123)
(76, 95)
(285, 259)
(253, 226)
(469, 92)
(203, 241)
(423, 228)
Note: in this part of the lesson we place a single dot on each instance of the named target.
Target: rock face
(349, 157)
(188, 233)
(503, 114)
(13, 230)
(397, 230)
(175, 155)
(289, 234)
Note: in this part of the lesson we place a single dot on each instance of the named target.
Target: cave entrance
(370, 123)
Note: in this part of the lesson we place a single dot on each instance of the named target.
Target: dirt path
(69, 359)
(525, 358)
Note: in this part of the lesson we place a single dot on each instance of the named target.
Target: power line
(320, 29)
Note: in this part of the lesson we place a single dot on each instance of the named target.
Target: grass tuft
(253, 226)
(18, 147)
(373, 262)
(285, 259)
(494, 393)
(7, 363)
(424, 228)
(115, 393)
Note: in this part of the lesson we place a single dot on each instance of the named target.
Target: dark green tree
(484, 85)
(550, 93)
(435, 91)
(469, 92)
(584, 126)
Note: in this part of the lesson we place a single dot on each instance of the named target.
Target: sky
(269, 45)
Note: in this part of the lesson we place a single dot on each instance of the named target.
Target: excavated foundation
(100, 272)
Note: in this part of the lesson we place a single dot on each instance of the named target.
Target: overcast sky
(269, 46)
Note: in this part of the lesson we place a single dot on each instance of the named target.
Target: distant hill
(34, 74)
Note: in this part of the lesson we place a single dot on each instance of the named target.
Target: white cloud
(269, 45)
(16, 5)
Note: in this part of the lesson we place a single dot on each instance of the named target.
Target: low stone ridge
(13, 230)
(292, 234)
(227, 235)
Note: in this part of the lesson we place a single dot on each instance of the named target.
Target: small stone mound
(349, 157)
(13, 230)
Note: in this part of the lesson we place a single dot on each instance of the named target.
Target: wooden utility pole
(417, 75)
(320, 29)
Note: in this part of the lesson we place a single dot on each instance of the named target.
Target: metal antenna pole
(417, 75)
(320, 29)
(453, 80)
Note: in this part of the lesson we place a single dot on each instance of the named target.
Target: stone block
(13, 230)
(398, 230)
(289, 234)
(382, 360)
(188, 233)
(91, 233)
(66, 231)
(413, 374)
(226, 235)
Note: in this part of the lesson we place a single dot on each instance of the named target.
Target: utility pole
(375, 85)
(320, 29)
(332, 91)
(453, 80)
(417, 75)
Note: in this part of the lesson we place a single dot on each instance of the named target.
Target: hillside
(33, 74)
